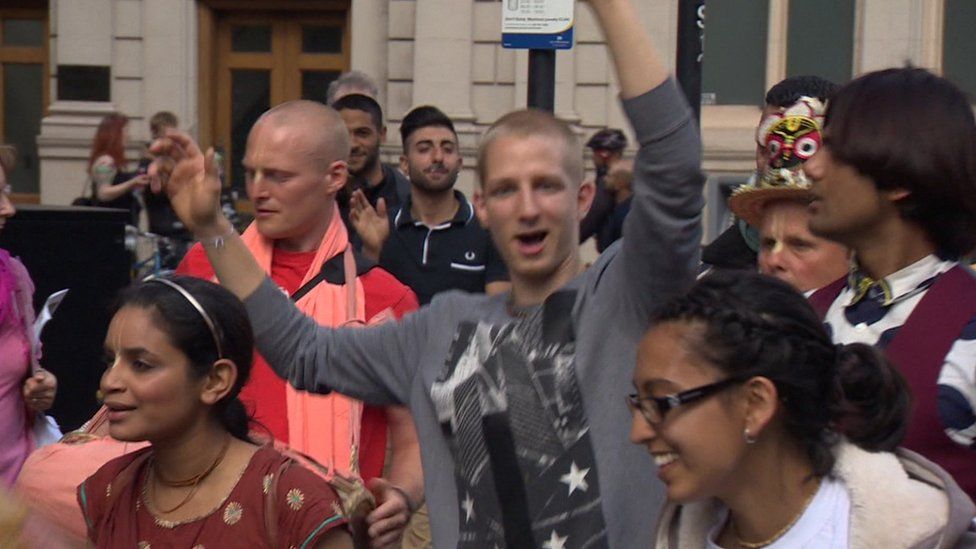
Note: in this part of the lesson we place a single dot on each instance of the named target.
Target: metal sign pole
(542, 80)
(691, 47)
(542, 27)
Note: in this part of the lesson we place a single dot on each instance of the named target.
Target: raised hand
(372, 224)
(190, 179)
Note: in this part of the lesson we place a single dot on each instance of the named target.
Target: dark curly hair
(755, 325)
(189, 333)
(788, 91)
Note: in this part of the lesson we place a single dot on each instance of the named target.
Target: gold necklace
(193, 481)
(779, 533)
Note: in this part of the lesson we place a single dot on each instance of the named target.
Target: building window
(959, 46)
(811, 37)
(734, 64)
(820, 39)
(23, 93)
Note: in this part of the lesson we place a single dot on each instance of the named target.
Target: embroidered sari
(303, 508)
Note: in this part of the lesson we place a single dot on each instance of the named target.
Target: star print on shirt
(555, 541)
(468, 506)
(575, 478)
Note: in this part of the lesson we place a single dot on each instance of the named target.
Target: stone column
(368, 36)
(889, 34)
(442, 56)
(170, 50)
(82, 33)
(442, 73)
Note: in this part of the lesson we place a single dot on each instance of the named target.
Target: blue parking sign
(538, 24)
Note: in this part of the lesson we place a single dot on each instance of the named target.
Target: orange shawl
(325, 427)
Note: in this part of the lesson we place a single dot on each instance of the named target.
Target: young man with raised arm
(518, 398)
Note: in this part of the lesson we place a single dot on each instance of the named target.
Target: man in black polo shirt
(364, 120)
(432, 242)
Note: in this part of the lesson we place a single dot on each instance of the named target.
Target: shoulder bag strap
(349, 267)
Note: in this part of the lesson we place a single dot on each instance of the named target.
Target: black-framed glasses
(655, 408)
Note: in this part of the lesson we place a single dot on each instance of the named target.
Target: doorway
(23, 94)
(264, 58)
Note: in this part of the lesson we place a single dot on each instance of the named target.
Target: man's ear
(219, 382)
(337, 175)
(480, 209)
(584, 198)
(404, 167)
(383, 134)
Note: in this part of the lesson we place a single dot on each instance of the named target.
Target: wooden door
(264, 59)
(23, 94)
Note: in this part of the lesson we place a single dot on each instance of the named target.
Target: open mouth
(531, 243)
(664, 459)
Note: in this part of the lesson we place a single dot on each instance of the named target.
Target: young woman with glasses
(767, 435)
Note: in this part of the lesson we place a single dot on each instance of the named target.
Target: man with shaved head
(294, 164)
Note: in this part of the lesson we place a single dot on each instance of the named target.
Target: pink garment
(16, 314)
(310, 416)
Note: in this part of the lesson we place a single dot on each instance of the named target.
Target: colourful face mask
(792, 141)
(790, 138)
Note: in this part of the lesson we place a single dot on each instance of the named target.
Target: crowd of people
(378, 360)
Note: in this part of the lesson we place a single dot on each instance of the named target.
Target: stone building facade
(217, 63)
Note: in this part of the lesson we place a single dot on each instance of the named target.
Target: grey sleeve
(659, 254)
(374, 364)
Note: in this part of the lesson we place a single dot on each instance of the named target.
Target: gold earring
(99, 396)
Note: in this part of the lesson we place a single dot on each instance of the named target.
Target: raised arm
(639, 67)
(659, 253)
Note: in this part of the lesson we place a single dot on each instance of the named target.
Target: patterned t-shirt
(872, 311)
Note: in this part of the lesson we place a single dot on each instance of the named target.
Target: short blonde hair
(534, 123)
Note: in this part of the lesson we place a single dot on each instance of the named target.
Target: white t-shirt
(825, 523)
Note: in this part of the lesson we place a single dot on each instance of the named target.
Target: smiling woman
(765, 434)
(179, 351)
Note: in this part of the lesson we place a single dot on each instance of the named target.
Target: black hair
(910, 129)
(188, 332)
(788, 91)
(425, 116)
(360, 102)
(755, 325)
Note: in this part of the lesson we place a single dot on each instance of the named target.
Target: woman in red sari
(179, 351)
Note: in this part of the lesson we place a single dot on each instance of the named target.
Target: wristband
(216, 242)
